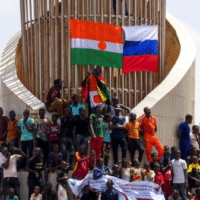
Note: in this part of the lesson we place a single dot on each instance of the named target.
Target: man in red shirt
(54, 103)
(82, 162)
(3, 127)
(149, 127)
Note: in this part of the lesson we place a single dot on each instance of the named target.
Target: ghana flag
(94, 43)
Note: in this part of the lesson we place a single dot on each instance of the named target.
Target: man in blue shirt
(184, 135)
(118, 136)
(110, 194)
(100, 170)
(76, 106)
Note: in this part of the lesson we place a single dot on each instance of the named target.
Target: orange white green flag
(94, 43)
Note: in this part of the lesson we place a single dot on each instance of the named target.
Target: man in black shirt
(67, 134)
(110, 194)
(49, 194)
(88, 194)
(82, 129)
(35, 167)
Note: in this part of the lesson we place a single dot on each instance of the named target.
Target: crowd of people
(71, 140)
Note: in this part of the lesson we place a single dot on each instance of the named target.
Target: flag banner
(136, 190)
(96, 90)
(140, 51)
(94, 43)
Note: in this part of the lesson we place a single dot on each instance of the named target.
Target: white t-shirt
(126, 173)
(11, 171)
(193, 140)
(178, 167)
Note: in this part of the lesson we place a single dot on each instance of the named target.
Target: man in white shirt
(179, 169)
(9, 165)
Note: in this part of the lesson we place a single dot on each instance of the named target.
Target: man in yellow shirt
(133, 128)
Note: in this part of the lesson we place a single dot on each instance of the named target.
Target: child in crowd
(193, 174)
(116, 171)
(36, 195)
(158, 176)
(26, 126)
(175, 195)
(42, 125)
(88, 194)
(166, 148)
(96, 127)
(173, 150)
(133, 128)
(147, 173)
(62, 178)
(126, 171)
(110, 193)
(35, 167)
(166, 169)
(76, 106)
(154, 157)
(194, 137)
(54, 161)
(135, 171)
(106, 138)
(12, 135)
(49, 193)
(82, 162)
(100, 170)
(194, 152)
(55, 158)
(12, 195)
(53, 131)
(197, 196)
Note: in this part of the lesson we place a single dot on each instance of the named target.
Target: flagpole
(69, 50)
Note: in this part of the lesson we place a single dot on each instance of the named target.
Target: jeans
(11, 182)
(45, 148)
(115, 142)
(24, 146)
(81, 140)
(115, 8)
(136, 144)
(181, 188)
(67, 149)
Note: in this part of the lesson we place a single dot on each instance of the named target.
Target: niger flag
(94, 43)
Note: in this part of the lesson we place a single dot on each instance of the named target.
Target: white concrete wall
(9, 101)
(171, 110)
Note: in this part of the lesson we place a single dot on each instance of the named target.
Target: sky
(186, 12)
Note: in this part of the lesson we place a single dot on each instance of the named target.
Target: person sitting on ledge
(54, 103)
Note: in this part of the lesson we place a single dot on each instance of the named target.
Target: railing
(46, 44)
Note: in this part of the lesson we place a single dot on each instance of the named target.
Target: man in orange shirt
(149, 127)
(133, 128)
(12, 135)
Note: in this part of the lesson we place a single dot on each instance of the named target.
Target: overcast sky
(187, 12)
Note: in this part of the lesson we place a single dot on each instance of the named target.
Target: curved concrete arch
(9, 75)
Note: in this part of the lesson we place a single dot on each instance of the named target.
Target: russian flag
(140, 51)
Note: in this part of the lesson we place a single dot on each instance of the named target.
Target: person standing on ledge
(116, 104)
(76, 106)
(149, 127)
(184, 135)
(3, 127)
(54, 103)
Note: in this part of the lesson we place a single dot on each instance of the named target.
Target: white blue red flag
(140, 51)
